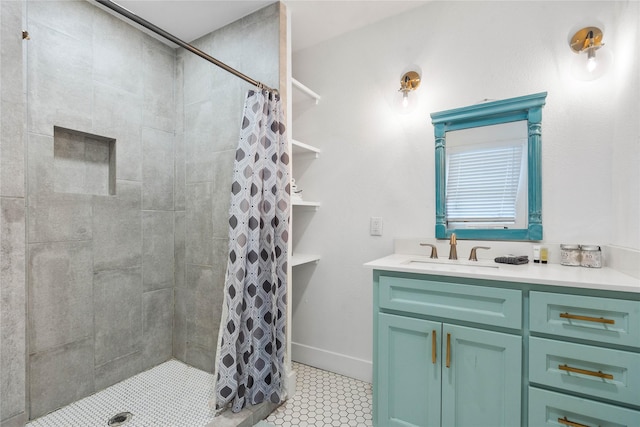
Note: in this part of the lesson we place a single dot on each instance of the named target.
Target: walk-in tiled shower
(117, 159)
(170, 394)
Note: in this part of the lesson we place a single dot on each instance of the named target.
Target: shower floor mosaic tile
(325, 399)
(174, 394)
(171, 394)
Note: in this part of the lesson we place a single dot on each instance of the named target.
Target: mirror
(488, 181)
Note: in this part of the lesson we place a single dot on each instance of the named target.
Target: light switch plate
(375, 227)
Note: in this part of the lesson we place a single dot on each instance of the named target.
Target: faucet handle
(472, 255)
(434, 250)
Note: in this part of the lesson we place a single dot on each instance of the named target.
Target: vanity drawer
(602, 372)
(605, 320)
(491, 306)
(547, 408)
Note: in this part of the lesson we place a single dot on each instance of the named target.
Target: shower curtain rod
(162, 33)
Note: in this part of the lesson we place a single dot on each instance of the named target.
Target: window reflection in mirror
(488, 182)
(486, 177)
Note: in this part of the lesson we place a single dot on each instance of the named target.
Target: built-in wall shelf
(305, 203)
(305, 89)
(301, 212)
(302, 148)
(299, 259)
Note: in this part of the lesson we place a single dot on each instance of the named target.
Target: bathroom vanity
(503, 345)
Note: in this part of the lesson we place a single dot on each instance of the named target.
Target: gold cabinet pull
(448, 350)
(433, 347)
(566, 422)
(598, 374)
(587, 318)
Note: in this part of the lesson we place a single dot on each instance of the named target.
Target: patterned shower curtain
(250, 362)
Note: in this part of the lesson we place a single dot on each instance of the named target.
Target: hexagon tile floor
(325, 399)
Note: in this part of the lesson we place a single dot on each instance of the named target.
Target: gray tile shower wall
(157, 323)
(157, 169)
(52, 371)
(60, 294)
(117, 228)
(158, 87)
(158, 250)
(13, 308)
(118, 313)
(12, 219)
(100, 265)
(118, 281)
(209, 113)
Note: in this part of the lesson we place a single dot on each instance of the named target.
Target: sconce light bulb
(591, 59)
(405, 99)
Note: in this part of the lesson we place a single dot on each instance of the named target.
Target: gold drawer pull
(566, 422)
(433, 347)
(598, 374)
(587, 318)
(448, 364)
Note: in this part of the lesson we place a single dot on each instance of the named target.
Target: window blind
(483, 184)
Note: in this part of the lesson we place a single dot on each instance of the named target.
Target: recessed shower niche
(83, 163)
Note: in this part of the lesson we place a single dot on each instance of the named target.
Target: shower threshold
(173, 394)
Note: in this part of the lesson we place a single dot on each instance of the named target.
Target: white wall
(378, 163)
(626, 130)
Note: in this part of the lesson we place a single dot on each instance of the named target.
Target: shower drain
(120, 419)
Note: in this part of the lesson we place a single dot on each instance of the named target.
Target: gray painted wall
(87, 277)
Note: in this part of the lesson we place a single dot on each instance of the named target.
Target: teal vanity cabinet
(493, 349)
(584, 361)
(446, 354)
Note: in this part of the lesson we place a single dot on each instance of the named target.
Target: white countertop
(544, 274)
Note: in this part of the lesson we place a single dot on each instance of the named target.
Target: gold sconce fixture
(409, 82)
(588, 40)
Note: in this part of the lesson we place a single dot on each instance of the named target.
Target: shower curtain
(250, 358)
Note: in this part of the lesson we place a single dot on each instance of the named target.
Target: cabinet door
(408, 381)
(482, 385)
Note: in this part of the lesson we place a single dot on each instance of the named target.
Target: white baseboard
(333, 362)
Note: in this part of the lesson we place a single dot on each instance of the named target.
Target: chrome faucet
(453, 253)
(472, 255)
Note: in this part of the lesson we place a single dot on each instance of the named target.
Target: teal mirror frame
(528, 108)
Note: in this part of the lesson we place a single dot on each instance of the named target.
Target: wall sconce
(588, 40)
(408, 83)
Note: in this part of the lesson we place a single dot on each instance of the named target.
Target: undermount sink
(452, 263)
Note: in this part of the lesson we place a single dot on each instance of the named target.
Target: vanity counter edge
(606, 279)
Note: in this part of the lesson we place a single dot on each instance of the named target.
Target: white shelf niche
(299, 259)
(305, 90)
(302, 148)
(306, 203)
